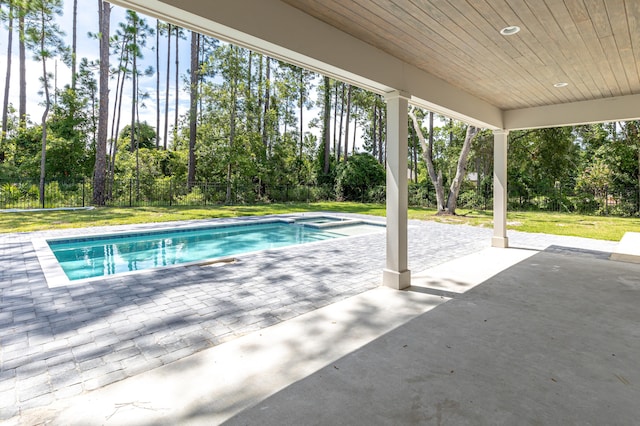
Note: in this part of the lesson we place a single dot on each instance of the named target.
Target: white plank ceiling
(593, 45)
(448, 55)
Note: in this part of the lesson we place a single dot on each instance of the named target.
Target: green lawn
(598, 227)
(605, 228)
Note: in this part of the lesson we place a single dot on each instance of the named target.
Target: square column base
(396, 280)
(500, 242)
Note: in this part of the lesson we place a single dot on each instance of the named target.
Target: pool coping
(55, 276)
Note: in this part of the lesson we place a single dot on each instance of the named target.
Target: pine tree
(100, 165)
(193, 113)
(44, 39)
(7, 82)
(23, 12)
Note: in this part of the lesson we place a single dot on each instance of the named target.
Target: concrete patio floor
(550, 339)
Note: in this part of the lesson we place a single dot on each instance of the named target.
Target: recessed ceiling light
(562, 84)
(510, 30)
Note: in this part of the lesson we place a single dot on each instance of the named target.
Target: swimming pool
(90, 257)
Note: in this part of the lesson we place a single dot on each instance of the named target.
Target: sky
(89, 47)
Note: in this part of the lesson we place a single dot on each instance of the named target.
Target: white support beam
(500, 145)
(396, 274)
(619, 108)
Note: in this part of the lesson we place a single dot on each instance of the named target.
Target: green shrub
(377, 194)
(471, 199)
(360, 172)
(10, 193)
(194, 198)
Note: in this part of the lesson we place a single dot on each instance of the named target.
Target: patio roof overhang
(571, 62)
(448, 55)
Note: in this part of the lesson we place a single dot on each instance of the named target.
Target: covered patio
(518, 336)
(509, 351)
(528, 334)
(503, 65)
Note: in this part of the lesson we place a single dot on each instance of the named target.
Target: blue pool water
(113, 254)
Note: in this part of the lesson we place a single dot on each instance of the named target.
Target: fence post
(130, 192)
(170, 192)
(83, 181)
(44, 192)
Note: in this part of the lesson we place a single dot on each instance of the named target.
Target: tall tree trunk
(374, 131)
(301, 111)
(284, 119)
(202, 55)
(74, 43)
(232, 128)
(99, 169)
(166, 98)
(177, 76)
(335, 119)
(427, 153)
(382, 157)
(137, 152)
(134, 93)
(438, 182)
(193, 113)
(267, 96)
(7, 82)
(327, 124)
(415, 162)
(341, 123)
(454, 189)
(247, 95)
(45, 83)
(259, 121)
(157, 83)
(94, 117)
(346, 130)
(119, 76)
(412, 138)
(22, 107)
(134, 142)
(117, 115)
(355, 130)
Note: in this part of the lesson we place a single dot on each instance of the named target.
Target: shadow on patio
(552, 339)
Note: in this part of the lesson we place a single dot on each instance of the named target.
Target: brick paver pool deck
(57, 343)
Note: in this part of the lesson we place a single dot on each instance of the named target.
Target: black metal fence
(162, 192)
(170, 192)
(617, 202)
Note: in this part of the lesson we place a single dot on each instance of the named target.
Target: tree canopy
(254, 120)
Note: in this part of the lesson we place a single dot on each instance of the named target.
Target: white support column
(500, 145)
(396, 274)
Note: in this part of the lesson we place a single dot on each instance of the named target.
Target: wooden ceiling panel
(633, 20)
(593, 45)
